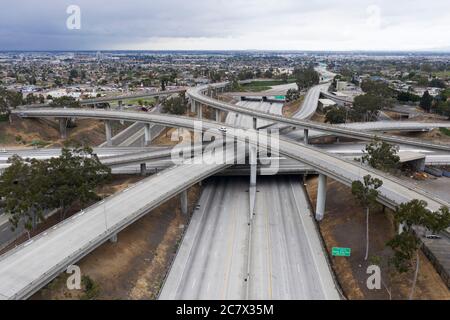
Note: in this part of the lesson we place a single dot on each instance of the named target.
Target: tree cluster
(29, 187)
(175, 105)
(65, 102)
(381, 155)
(306, 77)
(9, 100)
(336, 115)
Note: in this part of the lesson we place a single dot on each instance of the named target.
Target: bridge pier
(200, 111)
(184, 202)
(121, 109)
(218, 115)
(193, 106)
(255, 121)
(143, 169)
(306, 136)
(63, 128)
(253, 165)
(113, 238)
(108, 133)
(321, 197)
(147, 135)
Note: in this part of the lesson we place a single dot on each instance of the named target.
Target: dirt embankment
(435, 136)
(290, 108)
(344, 226)
(45, 133)
(135, 266)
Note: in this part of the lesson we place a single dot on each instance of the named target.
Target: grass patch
(258, 86)
(445, 131)
(91, 289)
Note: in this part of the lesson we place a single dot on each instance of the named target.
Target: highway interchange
(48, 256)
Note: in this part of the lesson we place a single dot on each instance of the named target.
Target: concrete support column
(306, 136)
(120, 109)
(193, 106)
(108, 133)
(255, 121)
(321, 197)
(113, 238)
(147, 135)
(63, 127)
(143, 169)
(200, 111)
(218, 115)
(253, 165)
(184, 202)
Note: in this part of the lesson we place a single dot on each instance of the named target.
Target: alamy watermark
(73, 22)
(74, 280)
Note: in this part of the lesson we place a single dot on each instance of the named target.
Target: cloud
(227, 24)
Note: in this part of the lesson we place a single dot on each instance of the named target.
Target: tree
(306, 77)
(366, 107)
(426, 101)
(377, 88)
(176, 105)
(22, 187)
(407, 97)
(406, 245)
(9, 100)
(30, 188)
(336, 115)
(65, 102)
(366, 193)
(75, 174)
(437, 83)
(381, 155)
(292, 95)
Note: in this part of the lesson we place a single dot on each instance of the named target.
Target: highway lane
(284, 253)
(287, 259)
(102, 153)
(377, 126)
(211, 262)
(243, 121)
(310, 102)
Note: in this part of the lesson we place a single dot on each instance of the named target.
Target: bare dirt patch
(434, 136)
(344, 226)
(135, 266)
(290, 108)
(27, 132)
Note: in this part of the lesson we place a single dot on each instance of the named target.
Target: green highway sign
(280, 97)
(341, 252)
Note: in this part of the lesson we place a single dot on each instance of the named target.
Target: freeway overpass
(119, 98)
(197, 97)
(392, 193)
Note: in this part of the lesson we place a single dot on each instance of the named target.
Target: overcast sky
(227, 25)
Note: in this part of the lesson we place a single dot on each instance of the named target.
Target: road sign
(280, 97)
(341, 252)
